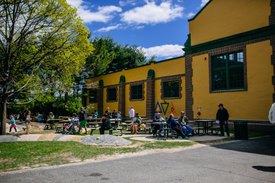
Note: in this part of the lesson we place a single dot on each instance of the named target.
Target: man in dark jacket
(223, 116)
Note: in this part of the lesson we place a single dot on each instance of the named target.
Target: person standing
(83, 120)
(271, 114)
(27, 118)
(132, 118)
(222, 117)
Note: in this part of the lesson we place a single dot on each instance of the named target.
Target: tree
(110, 56)
(43, 43)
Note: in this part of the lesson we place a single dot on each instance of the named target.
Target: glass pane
(219, 61)
(240, 56)
(171, 89)
(219, 79)
(136, 92)
(236, 77)
(111, 93)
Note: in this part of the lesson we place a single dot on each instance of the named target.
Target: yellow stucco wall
(252, 104)
(222, 18)
(167, 68)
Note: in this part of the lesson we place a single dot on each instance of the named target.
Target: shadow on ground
(264, 146)
(265, 168)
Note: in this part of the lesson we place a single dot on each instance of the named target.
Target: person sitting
(106, 125)
(95, 114)
(157, 127)
(114, 114)
(50, 119)
(183, 120)
(174, 125)
(118, 115)
(136, 122)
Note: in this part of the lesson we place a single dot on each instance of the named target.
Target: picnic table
(204, 125)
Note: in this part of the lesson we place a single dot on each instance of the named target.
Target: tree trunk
(3, 117)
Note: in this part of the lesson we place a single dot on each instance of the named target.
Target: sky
(158, 27)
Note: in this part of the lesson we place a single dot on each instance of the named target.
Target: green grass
(15, 155)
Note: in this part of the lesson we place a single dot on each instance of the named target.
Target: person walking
(12, 123)
(83, 120)
(222, 117)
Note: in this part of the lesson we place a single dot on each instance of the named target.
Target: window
(93, 96)
(111, 94)
(227, 71)
(171, 89)
(136, 92)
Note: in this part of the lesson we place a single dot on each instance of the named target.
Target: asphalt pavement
(251, 161)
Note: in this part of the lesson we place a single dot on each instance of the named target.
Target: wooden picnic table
(204, 123)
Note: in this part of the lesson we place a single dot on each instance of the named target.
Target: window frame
(228, 88)
(171, 79)
(107, 94)
(95, 99)
(142, 91)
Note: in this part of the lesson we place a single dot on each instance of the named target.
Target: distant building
(229, 58)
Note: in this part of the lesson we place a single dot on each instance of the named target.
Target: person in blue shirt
(174, 125)
(183, 120)
(157, 127)
(12, 123)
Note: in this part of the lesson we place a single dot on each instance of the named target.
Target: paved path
(229, 162)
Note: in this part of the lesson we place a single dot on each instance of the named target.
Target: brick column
(100, 98)
(121, 98)
(189, 87)
(272, 41)
(150, 94)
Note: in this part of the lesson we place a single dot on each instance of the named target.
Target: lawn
(17, 155)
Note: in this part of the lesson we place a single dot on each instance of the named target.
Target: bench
(215, 129)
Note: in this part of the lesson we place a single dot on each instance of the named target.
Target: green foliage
(110, 56)
(42, 45)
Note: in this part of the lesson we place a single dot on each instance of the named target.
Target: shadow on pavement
(265, 168)
(264, 146)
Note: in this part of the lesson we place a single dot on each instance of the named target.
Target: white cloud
(127, 2)
(152, 13)
(103, 13)
(109, 28)
(190, 15)
(203, 2)
(163, 51)
(75, 3)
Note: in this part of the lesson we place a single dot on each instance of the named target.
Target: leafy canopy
(42, 44)
(110, 56)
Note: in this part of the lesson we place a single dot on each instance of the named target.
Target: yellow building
(229, 58)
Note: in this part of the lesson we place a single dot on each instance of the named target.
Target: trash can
(240, 130)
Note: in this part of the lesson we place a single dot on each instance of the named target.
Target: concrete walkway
(78, 138)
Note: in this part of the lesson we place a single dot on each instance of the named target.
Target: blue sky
(158, 27)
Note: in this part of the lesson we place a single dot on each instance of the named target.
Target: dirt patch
(47, 137)
(6, 160)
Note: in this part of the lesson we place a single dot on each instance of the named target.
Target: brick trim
(171, 78)
(134, 84)
(272, 42)
(100, 100)
(189, 87)
(150, 98)
(121, 103)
